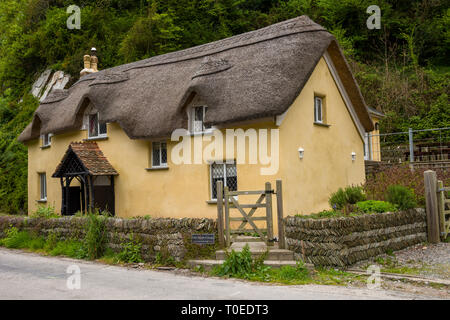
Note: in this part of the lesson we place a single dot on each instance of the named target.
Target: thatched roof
(90, 158)
(253, 75)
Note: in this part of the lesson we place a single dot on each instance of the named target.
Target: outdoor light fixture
(301, 152)
(353, 156)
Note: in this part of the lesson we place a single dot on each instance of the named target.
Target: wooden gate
(444, 209)
(227, 200)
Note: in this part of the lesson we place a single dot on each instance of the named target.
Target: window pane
(156, 155)
(43, 186)
(204, 114)
(217, 174)
(318, 109)
(197, 123)
(163, 153)
(102, 128)
(93, 125)
(231, 174)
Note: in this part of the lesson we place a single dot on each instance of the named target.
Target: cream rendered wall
(327, 163)
(375, 143)
(183, 190)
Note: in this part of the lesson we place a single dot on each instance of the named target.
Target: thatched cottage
(106, 141)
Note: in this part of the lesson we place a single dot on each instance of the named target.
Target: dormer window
(96, 129)
(197, 117)
(46, 140)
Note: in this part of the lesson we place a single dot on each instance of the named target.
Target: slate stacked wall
(345, 241)
(169, 237)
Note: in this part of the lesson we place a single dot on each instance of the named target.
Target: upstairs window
(46, 139)
(198, 119)
(43, 186)
(318, 109)
(223, 172)
(96, 129)
(159, 154)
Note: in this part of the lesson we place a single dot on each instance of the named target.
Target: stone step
(273, 254)
(209, 264)
(245, 239)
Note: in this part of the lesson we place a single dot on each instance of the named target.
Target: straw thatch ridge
(254, 75)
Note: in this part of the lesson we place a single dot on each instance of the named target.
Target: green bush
(16, 239)
(95, 240)
(344, 198)
(240, 264)
(371, 206)
(131, 251)
(45, 212)
(401, 196)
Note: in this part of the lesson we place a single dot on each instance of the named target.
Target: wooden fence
(438, 207)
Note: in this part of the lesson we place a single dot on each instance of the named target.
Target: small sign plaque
(206, 238)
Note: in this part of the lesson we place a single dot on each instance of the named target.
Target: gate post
(282, 240)
(430, 182)
(269, 214)
(220, 229)
(227, 216)
(441, 208)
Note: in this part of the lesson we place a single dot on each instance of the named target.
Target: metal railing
(413, 146)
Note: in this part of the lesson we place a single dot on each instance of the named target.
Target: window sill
(42, 201)
(157, 168)
(96, 138)
(207, 132)
(46, 147)
(214, 201)
(320, 124)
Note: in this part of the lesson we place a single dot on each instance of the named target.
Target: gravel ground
(431, 260)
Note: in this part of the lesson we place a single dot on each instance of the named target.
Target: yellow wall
(375, 141)
(327, 163)
(183, 190)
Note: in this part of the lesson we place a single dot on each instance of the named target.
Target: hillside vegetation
(403, 68)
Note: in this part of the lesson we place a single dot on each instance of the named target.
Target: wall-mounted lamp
(353, 156)
(301, 153)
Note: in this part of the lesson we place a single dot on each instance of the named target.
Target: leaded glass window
(227, 173)
(159, 154)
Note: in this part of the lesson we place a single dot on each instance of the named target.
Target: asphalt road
(31, 276)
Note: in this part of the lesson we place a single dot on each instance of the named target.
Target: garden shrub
(45, 212)
(377, 184)
(344, 198)
(401, 196)
(371, 206)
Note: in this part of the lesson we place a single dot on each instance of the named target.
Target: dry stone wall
(345, 241)
(168, 237)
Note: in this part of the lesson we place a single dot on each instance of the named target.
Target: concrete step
(273, 254)
(209, 264)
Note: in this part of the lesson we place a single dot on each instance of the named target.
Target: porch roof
(90, 160)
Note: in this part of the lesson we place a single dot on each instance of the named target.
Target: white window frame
(318, 106)
(49, 139)
(43, 186)
(161, 164)
(99, 135)
(192, 119)
(224, 164)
